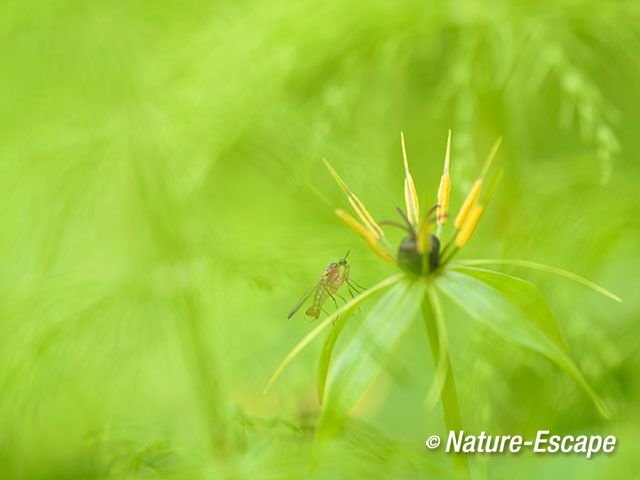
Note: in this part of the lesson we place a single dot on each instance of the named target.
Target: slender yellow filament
(469, 203)
(410, 194)
(469, 226)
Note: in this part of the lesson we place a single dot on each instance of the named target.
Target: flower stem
(448, 395)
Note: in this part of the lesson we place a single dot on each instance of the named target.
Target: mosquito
(326, 287)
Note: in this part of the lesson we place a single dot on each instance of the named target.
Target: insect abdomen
(322, 293)
(313, 311)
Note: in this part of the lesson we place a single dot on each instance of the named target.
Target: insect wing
(304, 297)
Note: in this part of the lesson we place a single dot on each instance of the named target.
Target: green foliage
(514, 309)
(368, 352)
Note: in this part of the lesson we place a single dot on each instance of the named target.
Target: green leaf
(542, 267)
(492, 308)
(441, 360)
(325, 356)
(344, 312)
(443, 382)
(525, 295)
(366, 354)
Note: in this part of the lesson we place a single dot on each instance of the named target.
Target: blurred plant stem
(448, 395)
(204, 375)
(163, 218)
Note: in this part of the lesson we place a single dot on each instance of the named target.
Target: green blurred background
(163, 205)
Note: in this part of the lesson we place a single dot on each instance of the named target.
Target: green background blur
(163, 205)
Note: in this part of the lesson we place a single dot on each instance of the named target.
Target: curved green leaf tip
(495, 300)
(544, 268)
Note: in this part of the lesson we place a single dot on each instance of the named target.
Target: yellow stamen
(469, 226)
(365, 216)
(423, 238)
(469, 203)
(474, 194)
(364, 233)
(354, 225)
(445, 187)
(357, 205)
(410, 195)
(443, 198)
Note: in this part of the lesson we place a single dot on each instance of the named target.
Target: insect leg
(350, 282)
(350, 291)
(349, 288)
(341, 297)
(336, 304)
(353, 285)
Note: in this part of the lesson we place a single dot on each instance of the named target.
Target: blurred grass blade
(525, 295)
(344, 312)
(490, 307)
(544, 268)
(368, 351)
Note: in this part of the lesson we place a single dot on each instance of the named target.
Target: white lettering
(540, 440)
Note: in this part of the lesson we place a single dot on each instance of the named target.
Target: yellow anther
(364, 233)
(410, 195)
(357, 205)
(443, 198)
(469, 225)
(445, 187)
(365, 216)
(469, 203)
